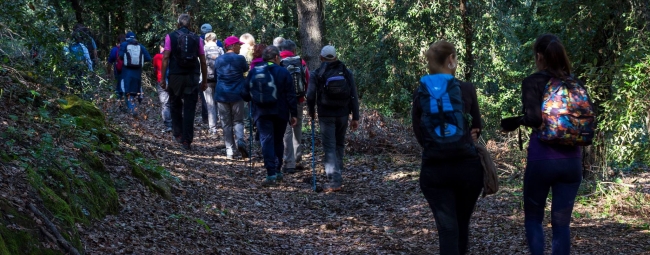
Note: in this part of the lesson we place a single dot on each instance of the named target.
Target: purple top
(538, 150)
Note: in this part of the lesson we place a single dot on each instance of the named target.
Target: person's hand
(354, 125)
(294, 121)
(475, 132)
(163, 84)
(204, 85)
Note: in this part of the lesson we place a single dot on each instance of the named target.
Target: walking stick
(313, 156)
(250, 139)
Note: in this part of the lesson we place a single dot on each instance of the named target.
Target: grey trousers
(293, 142)
(164, 102)
(232, 117)
(212, 108)
(332, 131)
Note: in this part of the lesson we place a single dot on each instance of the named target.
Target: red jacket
(157, 66)
(286, 54)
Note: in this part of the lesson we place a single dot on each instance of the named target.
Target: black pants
(452, 188)
(563, 177)
(183, 90)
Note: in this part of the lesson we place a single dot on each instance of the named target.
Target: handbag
(490, 176)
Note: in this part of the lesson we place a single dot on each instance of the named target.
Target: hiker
(116, 65)
(205, 118)
(247, 51)
(451, 175)
(297, 67)
(85, 36)
(207, 28)
(247, 47)
(549, 166)
(134, 55)
(333, 111)
(212, 52)
(257, 55)
(230, 68)
(162, 94)
(269, 89)
(80, 63)
(184, 70)
(277, 42)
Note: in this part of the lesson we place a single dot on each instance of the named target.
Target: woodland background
(43, 131)
(383, 42)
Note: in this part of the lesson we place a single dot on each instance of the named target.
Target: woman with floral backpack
(554, 159)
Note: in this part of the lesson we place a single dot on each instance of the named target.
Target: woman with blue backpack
(554, 159)
(446, 122)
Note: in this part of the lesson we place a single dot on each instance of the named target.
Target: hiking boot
(186, 146)
(332, 187)
(270, 181)
(241, 147)
(289, 170)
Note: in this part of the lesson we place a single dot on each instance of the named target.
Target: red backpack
(119, 62)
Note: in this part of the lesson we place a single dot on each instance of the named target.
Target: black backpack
(295, 68)
(446, 129)
(262, 87)
(188, 45)
(335, 89)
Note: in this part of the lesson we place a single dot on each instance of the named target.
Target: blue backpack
(446, 130)
(263, 91)
(77, 52)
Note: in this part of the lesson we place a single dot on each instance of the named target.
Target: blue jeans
(183, 90)
(332, 131)
(563, 176)
(271, 129)
(451, 188)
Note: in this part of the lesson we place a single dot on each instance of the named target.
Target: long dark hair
(554, 55)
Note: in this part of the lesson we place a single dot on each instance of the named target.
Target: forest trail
(216, 207)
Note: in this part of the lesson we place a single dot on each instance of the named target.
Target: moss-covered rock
(88, 117)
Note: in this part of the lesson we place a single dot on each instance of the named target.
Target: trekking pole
(250, 139)
(313, 156)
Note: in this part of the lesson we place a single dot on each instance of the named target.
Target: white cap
(206, 28)
(328, 52)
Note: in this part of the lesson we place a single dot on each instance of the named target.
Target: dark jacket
(229, 69)
(471, 107)
(315, 85)
(287, 101)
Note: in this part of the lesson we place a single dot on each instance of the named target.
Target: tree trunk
(469, 34)
(77, 11)
(310, 18)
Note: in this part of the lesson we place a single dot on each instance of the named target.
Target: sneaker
(289, 170)
(241, 147)
(331, 187)
(229, 157)
(279, 176)
(167, 129)
(186, 146)
(270, 181)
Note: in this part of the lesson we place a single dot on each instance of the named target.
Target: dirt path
(218, 208)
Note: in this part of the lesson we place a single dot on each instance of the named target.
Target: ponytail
(554, 54)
